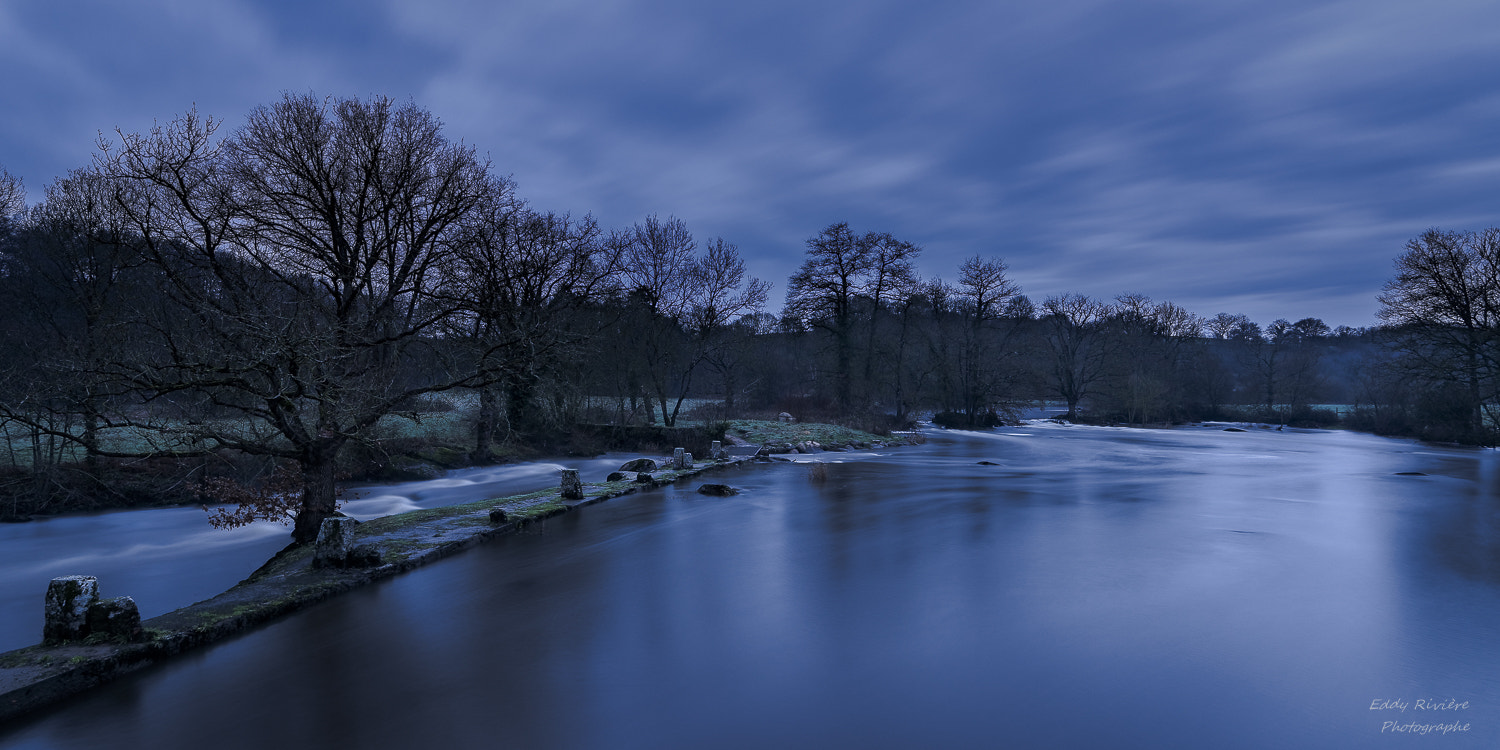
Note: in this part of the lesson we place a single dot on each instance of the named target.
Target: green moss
(409, 519)
(540, 510)
(20, 658)
(400, 550)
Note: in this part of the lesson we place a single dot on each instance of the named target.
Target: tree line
(288, 289)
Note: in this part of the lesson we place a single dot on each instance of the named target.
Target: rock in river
(639, 464)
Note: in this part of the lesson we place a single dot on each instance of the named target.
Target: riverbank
(33, 677)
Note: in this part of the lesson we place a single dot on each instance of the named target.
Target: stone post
(572, 486)
(715, 450)
(118, 618)
(335, 542)
(687, 460)
(67, 610)
(677, 459)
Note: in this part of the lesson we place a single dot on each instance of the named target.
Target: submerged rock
(717, 490)
(1234, 429)
(615, 476)
(988, 463)
(643, 478)
(639, 464)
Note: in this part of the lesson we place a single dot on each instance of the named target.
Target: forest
(219, 315)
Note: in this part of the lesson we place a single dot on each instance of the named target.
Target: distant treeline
(286, 289)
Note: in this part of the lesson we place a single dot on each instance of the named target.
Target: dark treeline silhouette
(252, 315)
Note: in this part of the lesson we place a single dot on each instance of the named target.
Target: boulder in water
(717, 490)
(639, 464)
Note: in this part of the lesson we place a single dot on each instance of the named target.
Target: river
(1091, 588)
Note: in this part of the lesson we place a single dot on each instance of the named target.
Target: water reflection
(1098, 588)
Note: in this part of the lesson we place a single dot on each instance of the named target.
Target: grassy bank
(763, 432)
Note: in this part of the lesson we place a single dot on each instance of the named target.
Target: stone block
(364, 556)
(677, 459)
(67, 608)
(117, 618)
(335, 542)
(572, 486)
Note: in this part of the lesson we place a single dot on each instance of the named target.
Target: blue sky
(1266, 158)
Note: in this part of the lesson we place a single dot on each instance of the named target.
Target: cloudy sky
(1267, 158)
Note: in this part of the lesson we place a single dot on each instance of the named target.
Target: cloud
(1268, 152)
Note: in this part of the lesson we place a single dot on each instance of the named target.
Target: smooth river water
(1096, 588)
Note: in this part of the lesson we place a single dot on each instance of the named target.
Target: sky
(1264, 158)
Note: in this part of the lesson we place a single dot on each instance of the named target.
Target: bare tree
(75, 269)
(723, 295)
(301, 255)
(892, 277)
(1076, 339)
(521, 277)
(823, 293)
(983, 289)
(12, 198)
(685, 303)
(1443, 310)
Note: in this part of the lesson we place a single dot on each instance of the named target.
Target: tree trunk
(519, 390)
(319, 494)
(845, 377)
(728, 392)
(484, 427)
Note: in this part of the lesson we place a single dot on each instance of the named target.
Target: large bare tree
(1443, 313)
(300, 254)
